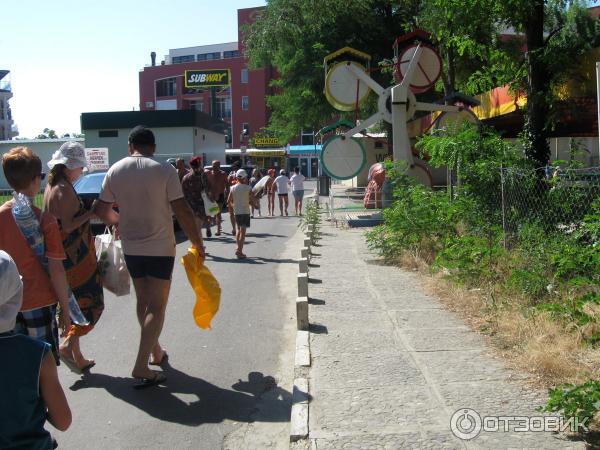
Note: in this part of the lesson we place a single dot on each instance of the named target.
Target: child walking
(240, 199)
(30, 392)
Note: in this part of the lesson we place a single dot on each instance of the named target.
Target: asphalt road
(232, 380)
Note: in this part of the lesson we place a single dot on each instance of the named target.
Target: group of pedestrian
(47, 257)
(48, 262)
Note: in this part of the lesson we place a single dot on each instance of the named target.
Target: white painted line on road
(302, 349)
(299, 416)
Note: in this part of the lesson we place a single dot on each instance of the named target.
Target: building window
(245, 103)
(182, 59)
(223, 108)
(244, 76)
(198, 105)
(208, 56)
(108, 133)
(231, 54)
(166, 87)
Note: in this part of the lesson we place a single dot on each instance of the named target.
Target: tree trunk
(536, 146)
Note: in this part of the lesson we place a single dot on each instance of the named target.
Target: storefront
(306, 157)
(257, 157)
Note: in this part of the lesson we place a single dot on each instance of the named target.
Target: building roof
(18, 142)
(151, 119)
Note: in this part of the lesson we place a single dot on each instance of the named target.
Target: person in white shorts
(297, 182)
(281, 186)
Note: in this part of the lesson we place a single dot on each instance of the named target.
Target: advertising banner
(97, 158)
(206, 78)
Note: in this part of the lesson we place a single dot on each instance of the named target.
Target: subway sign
(206, 78)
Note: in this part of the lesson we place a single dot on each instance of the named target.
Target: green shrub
(471, 258)
(581, 401)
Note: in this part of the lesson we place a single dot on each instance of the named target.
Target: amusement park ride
(348, 84)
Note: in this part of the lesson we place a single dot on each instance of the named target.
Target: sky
(67, 57)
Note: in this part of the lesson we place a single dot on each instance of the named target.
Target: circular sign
(341, 87)
(343, 158)
(455, 119)
(429, 68)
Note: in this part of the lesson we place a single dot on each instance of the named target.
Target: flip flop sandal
(163, 360)
(143, 383)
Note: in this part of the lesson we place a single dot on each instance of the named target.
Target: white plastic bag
(210, 208)
(111, 262)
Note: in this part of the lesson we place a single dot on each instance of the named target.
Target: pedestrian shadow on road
(264, 235)
(252, 260)
(257, 400)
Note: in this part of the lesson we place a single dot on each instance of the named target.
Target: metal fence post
(503, 206)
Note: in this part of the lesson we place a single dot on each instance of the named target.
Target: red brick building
(214, 79)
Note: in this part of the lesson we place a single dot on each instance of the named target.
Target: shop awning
(304, 150)
(266, 152)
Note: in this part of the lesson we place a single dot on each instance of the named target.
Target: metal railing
(348, 204)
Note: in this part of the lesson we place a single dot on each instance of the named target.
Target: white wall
(559, 149)
(117, 146)
(210, 145)
(374, 155)
(44, 148)
(183, 142)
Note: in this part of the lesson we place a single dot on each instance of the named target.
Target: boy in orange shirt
(43, 287)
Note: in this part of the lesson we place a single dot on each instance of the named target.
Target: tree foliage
(47, 133)
(294, 37)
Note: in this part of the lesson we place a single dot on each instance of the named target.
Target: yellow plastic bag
(206, 287)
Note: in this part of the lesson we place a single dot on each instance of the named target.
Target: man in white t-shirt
(240, 198)
(146, 191)
(281, 186)
(297, 182)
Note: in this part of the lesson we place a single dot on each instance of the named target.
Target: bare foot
(143, 373)
(78, 363)
(158, 357)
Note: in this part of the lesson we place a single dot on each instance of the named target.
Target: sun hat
(11, 292)
(241, 174)
(71, 154)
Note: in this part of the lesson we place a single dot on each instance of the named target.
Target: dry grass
(545, 349)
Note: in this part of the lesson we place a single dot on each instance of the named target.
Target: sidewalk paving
(390, 366)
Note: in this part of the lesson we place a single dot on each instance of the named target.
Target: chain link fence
(557, 199)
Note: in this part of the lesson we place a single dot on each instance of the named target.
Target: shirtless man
(217, 183)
